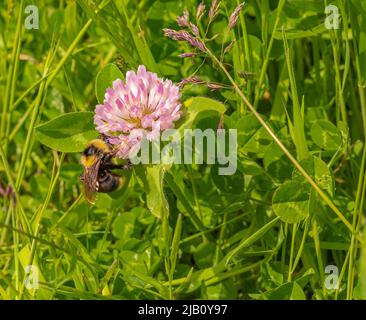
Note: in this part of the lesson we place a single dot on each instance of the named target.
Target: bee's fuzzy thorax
(92, 148)
(87, 161)
(98, 144)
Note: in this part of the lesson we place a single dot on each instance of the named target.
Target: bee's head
(93, 151)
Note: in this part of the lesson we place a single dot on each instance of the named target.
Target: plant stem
(40, 97)
(322, 194)
(194, 188)
(268, 52)
(11, 78)
(357, 214)
(290, 265)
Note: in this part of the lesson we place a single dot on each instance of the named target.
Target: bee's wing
(90, 180)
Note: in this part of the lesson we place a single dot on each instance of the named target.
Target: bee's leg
(128, 165)
(112, 166)
(113, 151)
(107, 160)
(81, 177)
(103, 137)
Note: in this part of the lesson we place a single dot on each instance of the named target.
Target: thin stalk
(301, 248)
(190, 211)
(297, 125)
(7, 220)
(12, 90)
(11, 182)
(338, 81)
(10, 83)
(26, 92)
(297, 165)
(220, 240)
(40, 97)
(199, 234)
(357, 213)
(194, 188)
(341, 275)
(165, 234)
(21, 122)
(73, 205)
(174, 252)
(39, 214)
(360, 78)
(16, 251)
(268, 52)
(247, 54)
(284, 247)
(318, 253)
(28, 141)
(290, 265)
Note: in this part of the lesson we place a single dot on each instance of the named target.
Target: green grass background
(262, 233)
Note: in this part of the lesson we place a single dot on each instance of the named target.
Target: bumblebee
(97, 162)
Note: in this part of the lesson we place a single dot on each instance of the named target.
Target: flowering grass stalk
(232, 21)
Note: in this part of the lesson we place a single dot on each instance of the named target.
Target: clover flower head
(145, 104)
